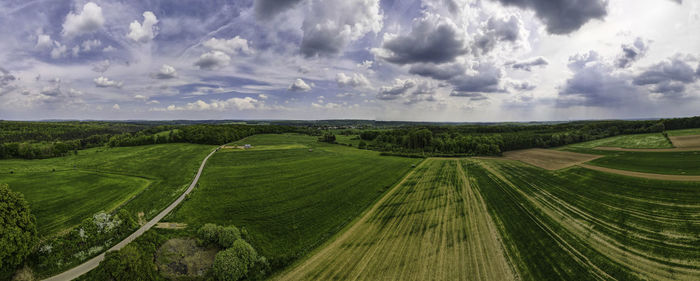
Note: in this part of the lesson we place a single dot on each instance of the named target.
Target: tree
(228, 235)
(362, 145)
(209, 233)
(129, 263)
(17, 228)
(234, 263)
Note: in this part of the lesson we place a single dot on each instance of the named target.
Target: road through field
(433, 225)
(94, 262)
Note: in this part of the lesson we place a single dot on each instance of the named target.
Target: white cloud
(140, 97)
(166, 72)
(89, 45)
(116, 107)
(43, 42)
(89, 20)
(233, 46)
(246, 103)
(212, 60)
(143, 33)
(354, 81)
(299, 86)
(262, 96)
(58, 50)
(104, 82)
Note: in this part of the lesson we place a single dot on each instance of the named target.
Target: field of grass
(289, 200)
(579, 224)
(686, 132)
(670, 163)
(655, 140)
(433, 226)
(65, 190)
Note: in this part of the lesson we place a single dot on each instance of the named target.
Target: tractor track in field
(92, 263)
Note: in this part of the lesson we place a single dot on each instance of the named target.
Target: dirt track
(642, 175)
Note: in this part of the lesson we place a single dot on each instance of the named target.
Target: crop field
(685, 132)
(580, 224)
(689, 141)
(289, 200)
(670, 163)
(433, 226)
(65, 190)
(655, 140)
(549, 159)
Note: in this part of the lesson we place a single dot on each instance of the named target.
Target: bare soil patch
(549, 159)
(648, 149)
(642, 175)
(171, 225)
(183, 258)
(692, 141)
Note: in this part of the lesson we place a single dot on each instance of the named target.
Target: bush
(129, 263)
(209, 233)
(228, 235)
(17, 229)
(234, 263)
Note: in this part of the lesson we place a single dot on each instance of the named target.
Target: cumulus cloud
(104, 82)
(632, 52)
(433, 39)
(483, 78)
(669, 76)
(266, 9)
(212, 60)
(563, 16)
(356, 80)
(89, 45)
(397, 89)
(498, 30)
(101, 67)
(299, 86)
(88, 20)
(332, 24)
(522, 86)
(595, 83)
(527, 65)
(166, 72)
(5, 77)
(438, 72)
(246, 103)
(43, 42)
(233, 46)
(116, 107)
(144, 33)
(59, 50)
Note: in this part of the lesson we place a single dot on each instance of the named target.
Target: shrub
(17, 228)
(234, 263)
(209, 233)
(228, 235)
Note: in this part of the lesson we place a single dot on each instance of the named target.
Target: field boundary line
(641, 174)
(343, 234)
(91, 264)
(675, 149)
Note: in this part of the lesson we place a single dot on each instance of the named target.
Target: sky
(430, 60)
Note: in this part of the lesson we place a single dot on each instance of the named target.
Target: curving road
(94, 262)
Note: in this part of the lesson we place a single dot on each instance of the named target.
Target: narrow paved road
(94, 262)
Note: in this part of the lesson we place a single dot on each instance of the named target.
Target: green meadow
(65, 190)
(289, 199)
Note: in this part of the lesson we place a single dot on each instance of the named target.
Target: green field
(63, 191)
(579, 224)
(686, 132)
(655, 140)
(671, 163)
(289, 200)
(433, 226)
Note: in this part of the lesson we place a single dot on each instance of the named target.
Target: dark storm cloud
(595, 84)
(563, 16)
(266, 9)
(527, 65)
(669, 76)
(321, 42)
(428, 42)
(632, 52)
(5, 77)
(471, 95)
